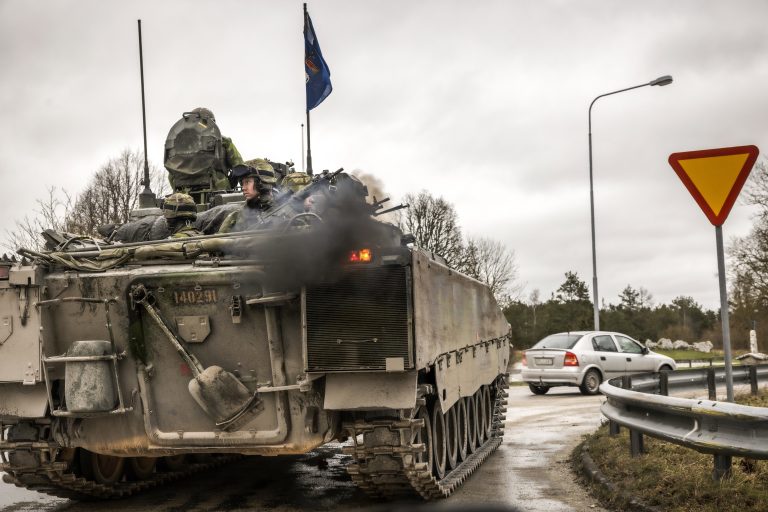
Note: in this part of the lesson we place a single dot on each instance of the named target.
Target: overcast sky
(484, 103)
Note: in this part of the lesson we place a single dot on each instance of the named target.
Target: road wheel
(488, 411)
(439, 441)
(472, 444)
(591, 383)
(452, 436)
(106, 469)
(480, 413)
(538, 390)
(463, 428)
(665, 368)
(140, 468)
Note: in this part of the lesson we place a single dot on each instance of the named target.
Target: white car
(585, 359)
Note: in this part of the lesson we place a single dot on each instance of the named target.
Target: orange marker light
(361, 256)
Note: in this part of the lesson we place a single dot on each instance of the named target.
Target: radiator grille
(359, 321)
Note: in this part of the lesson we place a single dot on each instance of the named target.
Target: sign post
(714, 177)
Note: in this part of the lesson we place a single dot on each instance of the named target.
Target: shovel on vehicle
(219, 393)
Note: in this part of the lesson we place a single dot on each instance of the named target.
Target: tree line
(569, 308)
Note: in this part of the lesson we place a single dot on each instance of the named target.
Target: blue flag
(318, 76)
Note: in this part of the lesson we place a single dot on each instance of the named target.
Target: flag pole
(309, 143)
(303, 166)
(309, 149)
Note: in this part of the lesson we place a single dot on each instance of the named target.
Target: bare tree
(645, 298)
(756, 192)
(750, 253)
(492, 263)
(108, 198)
(111, 195)
(433, 222)
(51, 213)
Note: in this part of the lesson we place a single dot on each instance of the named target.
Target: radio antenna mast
(147, 198)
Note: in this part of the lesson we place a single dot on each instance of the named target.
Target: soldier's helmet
(260, 169)
(179, 206)
(205, 113)
(296, 181)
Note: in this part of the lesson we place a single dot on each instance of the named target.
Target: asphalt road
(529, 472)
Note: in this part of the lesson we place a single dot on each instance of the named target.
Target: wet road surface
(528, 472)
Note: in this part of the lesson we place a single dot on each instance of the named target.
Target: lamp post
(662, 80)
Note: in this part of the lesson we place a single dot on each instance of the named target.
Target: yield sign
(714, 177)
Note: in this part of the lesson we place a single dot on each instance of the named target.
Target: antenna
(147, 197)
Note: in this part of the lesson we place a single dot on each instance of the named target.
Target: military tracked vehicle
(125, 365)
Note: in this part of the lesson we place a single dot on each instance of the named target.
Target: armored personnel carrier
(124, 365)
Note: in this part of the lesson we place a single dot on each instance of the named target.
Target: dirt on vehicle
(124, 365)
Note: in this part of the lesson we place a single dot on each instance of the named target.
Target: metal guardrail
(723, 429)
(703, 361)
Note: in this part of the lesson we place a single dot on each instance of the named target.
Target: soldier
(292, 184)
(256, 181)
(180, 212)
(296, 181)
(197, 156)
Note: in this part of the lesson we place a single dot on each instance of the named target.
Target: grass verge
(676, 479)
(684, 355)
(691, 354)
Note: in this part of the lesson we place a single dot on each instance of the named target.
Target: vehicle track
(397, 456)
(57, 478)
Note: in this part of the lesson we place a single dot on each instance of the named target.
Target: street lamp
(662, 80)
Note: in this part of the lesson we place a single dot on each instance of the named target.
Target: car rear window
(564, 340)
(603, 344)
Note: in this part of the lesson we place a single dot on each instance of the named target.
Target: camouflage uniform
(250, 216)
(186, 231)
(296, 181)
(231, 158)
(180, 212)
(244, 219)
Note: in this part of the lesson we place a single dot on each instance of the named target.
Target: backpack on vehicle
(194, 156)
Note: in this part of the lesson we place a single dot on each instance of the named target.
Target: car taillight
(570, 359)
(4, 272)
(524, 362)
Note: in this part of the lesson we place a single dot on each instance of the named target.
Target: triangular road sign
(714, 177)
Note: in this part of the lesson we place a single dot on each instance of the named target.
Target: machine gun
(283, 202)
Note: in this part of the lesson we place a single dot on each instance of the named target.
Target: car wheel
(665, 368)
(591, 383)
(538, 390)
